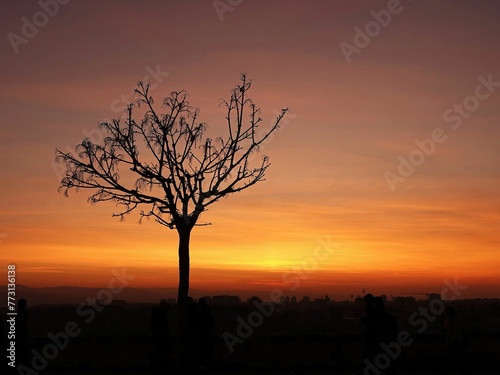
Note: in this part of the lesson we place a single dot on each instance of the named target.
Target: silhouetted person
(456, 345)
(192, 328)
(22, 348)
(206, 324)
(160, 330)
(386, 328)
(381, 327)
(371, 346)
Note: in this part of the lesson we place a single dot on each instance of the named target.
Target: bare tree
(164, 164)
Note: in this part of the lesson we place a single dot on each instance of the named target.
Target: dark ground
(295, 340)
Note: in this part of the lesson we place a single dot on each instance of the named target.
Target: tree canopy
(176, 172)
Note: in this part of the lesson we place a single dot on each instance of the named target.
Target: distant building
(359, 300)
(207, 298)
(403, 299)
(433, 296)
(254, 299)
(285, 300)
(293, 300)
(404, 302)
(225, 300)
(305, 299)
(323, 300)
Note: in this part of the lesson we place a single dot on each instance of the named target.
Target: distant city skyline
(77, 295)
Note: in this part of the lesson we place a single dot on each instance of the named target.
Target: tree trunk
(184, 236)
(182, 294)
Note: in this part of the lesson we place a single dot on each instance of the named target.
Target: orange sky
(348, 124)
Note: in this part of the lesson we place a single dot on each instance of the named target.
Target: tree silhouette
(165, 165)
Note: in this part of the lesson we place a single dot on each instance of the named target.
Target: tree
(164, 164)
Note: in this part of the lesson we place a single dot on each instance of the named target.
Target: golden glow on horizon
(363, 245)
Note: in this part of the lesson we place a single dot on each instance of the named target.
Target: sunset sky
(353, 118)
